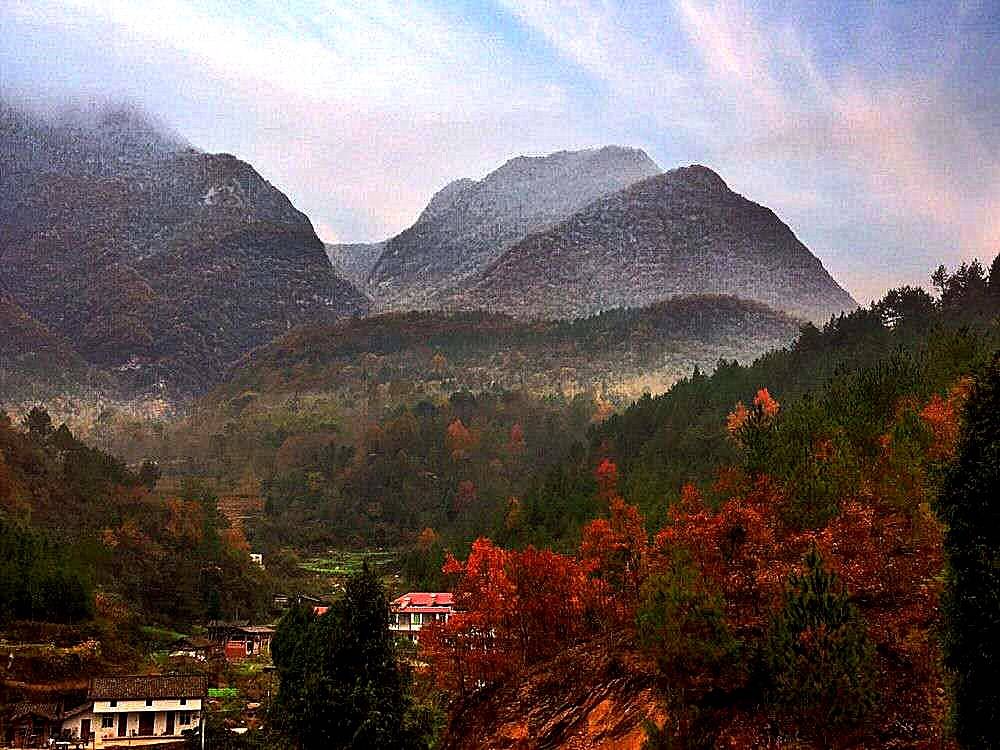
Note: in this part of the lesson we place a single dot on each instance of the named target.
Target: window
(112, 703)
(107, 722)
(184, 718)
(416, 618)
(184, 701)
(149, 702)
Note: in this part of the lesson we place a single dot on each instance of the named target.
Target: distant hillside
(681, 232)
(159, 263)
(399, 413)
(469, 224)
(622, 351)
(355, 262)
(34, 361)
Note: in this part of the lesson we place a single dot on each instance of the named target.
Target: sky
(871, 128)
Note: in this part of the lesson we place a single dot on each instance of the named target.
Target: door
(84, 729)
(146, 724)
(170, 723)
(122, 724)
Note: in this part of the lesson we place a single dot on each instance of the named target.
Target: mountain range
(468, 224)
(132, 262)
(575, 233)
(680, 232)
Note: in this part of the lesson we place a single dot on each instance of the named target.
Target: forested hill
(617, 351)
(78, 529)
(859, 365)
(798, 553)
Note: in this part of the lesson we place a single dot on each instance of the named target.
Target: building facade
(240, 640)
(417, 609)
(138, 711)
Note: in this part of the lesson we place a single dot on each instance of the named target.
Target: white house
(410, 612)
(138, 711)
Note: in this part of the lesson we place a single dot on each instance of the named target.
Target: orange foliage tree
(515, 608)
(615, 549)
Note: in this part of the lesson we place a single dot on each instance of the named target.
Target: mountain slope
(355, 261)
(34, 361)
(618, 352)
(468, 224)
(155, 260)
(680, 232)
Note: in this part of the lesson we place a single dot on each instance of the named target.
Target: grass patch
(346, 563)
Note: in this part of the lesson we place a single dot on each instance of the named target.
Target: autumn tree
(515, 608)
(459, 439)
(615, 548)
(970, 509)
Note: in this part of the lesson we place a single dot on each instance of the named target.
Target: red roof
(417, 601)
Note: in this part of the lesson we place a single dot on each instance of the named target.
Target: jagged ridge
(468, 224)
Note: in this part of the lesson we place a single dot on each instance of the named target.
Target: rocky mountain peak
(676, 233)
(699, 176)
(470, 223)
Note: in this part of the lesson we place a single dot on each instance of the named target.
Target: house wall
(164, 704)
(104, 736)
(236, 648)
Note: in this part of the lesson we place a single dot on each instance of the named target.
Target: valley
(592, 455)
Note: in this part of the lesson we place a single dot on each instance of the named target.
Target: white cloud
(358, 110)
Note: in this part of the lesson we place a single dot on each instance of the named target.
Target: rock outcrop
(584, 699)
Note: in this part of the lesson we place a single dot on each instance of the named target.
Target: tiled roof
(147, 686)
(424, 599)
(45, 710)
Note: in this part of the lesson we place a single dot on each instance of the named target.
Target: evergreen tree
(993, 283)
(970, 507)
(818, 654)
(38, 423)
(340, 686)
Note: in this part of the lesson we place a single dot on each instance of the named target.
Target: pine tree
(970, 508)
(340, 686)
(819, 655)
(993, 282)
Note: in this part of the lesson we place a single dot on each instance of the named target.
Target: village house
(196, 647)
(410, 612)
(138, 711)
(30, 724)
(283, 602)
(240, 640)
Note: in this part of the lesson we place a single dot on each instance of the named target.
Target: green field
(345, 563)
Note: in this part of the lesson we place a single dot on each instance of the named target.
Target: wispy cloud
(360, 111)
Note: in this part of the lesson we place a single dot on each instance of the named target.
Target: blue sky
(871, 128)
